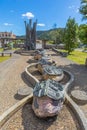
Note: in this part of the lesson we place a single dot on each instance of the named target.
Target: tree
(53, 35)
(70, 35)
(83, 33)
(83, 9)
(59, 38)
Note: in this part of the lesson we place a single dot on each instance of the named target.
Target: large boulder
(42, 62)
(52, 72)
(39, 54)
(48, 97)
(46, 61)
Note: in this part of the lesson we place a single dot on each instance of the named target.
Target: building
(6, 37)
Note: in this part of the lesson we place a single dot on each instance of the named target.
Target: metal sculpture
(30, 43)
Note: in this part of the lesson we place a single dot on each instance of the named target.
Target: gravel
(25, 119)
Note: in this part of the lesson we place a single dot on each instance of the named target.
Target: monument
(30, 43)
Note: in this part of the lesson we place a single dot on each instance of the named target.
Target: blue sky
(13, 13)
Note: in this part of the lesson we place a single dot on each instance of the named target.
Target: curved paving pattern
(68, 86)
(61, 120)
(80, 97)
(84, 122)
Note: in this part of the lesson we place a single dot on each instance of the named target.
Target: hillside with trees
(54, 35)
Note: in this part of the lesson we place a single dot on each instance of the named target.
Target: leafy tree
(55, 35)
(70, 36)
(44, 35)
(59, 38)
(83, 9)
(10, 45)
(83, 33)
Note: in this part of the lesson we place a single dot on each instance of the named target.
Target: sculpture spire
(30, 35)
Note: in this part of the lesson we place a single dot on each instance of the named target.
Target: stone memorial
(30, 43)
(48, 97)
(44, 61)
(52, 72)
(39, 54)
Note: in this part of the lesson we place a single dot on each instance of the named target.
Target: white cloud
(8, 24)
(74, 8)
(71, 7)
(41, 24)
(77, 10)
(28, 15)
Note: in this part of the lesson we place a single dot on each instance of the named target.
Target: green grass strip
(1, 49)
(78, 57)
(4, 58)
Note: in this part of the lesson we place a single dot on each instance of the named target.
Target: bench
(5, 53)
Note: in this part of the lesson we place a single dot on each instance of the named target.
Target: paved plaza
(12, 79)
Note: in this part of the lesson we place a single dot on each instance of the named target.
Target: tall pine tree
(70, 36)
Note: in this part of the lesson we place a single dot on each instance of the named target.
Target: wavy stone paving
(28, 122)
(79, 72)
(11, 79)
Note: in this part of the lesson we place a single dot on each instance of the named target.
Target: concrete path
(11, 79)
(79, 72)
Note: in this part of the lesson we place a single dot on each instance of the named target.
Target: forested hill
(42, 34)
(60, 35)
(52, 34)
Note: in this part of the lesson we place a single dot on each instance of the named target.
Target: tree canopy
(83, 33)
(70, 37)
(83, 9)
(54, 34)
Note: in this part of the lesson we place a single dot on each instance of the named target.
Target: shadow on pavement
(31, 122)
(18, 97)
(80, 74)
(31, 61)
(23, 76)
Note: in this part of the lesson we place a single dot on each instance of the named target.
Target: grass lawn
(15, 48)
(1, 49)
(4, 58)
(78, 57)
